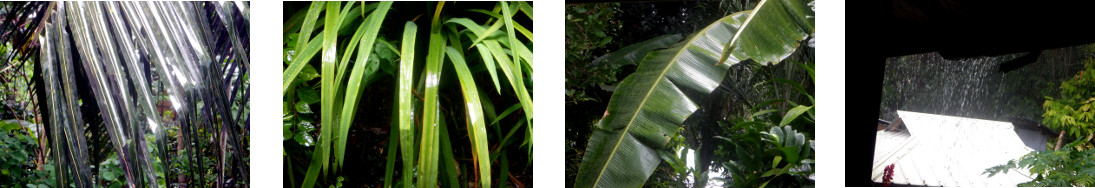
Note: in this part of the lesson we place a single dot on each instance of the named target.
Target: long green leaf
(304, 48)
(361, 30)
(393, 147)
(353, 88)
(506, 112)
(508, 67)
(769, 34)
(794, 113)
(448, 162)
(526, 8)
(308, 26)
(508, 17)
(428, 151)
(406, 113)
(487, 60)
(329, 58)
(652, 103)
(476, 128)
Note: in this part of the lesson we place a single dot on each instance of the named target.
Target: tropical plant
(1074, 111)
(669, 85)
(109, 79)
(422, 105)
(1072, 114)
(1068, 167)
(589, 29)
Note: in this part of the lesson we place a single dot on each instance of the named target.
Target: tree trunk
(1060, 139)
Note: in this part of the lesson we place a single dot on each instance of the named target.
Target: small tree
(1072, 165)
(1072, 112)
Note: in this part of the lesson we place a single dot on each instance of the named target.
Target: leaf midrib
(645, 98)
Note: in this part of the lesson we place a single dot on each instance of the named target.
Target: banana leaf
(668, 86)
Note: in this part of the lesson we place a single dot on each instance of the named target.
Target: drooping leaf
(476, 127)
(656, 99)
(651, 103)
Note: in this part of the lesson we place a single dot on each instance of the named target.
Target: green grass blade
(349, 50)
(490, 31)
(490, 67)
(523, 31)
(505, 140)
(477, 131)
(289, 165)
(428, 151)
(294, 22)
(353, 88)
(388, 46)
(448, 163)
(525, 99)
(309, 25)
(509, 29)
(487, 59)
(313, 171)
(526, 8)
(304, 48)
(509, 110)
(406, 113)
(330, 35)
(513, 75)
(504, 169)
(488, 13)
(393, 147)
(299, 61)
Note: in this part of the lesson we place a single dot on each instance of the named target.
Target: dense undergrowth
(408, 93)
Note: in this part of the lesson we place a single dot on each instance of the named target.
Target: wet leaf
(307, 95)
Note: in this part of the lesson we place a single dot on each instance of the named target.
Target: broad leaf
(651, 104)
(668, 85)
(770, 33)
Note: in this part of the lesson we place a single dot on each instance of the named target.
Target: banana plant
(423, 107)
(653, 102)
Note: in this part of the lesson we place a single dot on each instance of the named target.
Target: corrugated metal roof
(952, 151)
